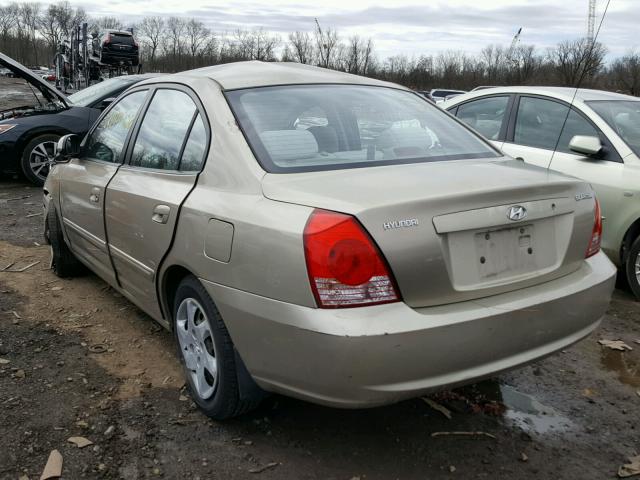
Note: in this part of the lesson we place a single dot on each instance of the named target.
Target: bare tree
(256, 44)
(28, 18)
(302, 49)
(175, 27)
(8, 20)
(197, 35)
(152, 29)
(327, 46)
(577, 59)
(626, 73)
(110, 23)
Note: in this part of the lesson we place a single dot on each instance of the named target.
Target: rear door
(487, 115)
(85, 178)
(144, 198)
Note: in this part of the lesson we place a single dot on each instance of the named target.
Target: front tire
(632, 268)
(63, 262)
(207, 354)
(37, 157)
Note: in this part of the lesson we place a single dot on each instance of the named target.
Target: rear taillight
(596, 233)
(345, 267)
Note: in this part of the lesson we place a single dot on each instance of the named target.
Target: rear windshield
(328, 127)
(122, 38)
(624, 117)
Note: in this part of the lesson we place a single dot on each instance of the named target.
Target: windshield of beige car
(326, 127)
(624, 117)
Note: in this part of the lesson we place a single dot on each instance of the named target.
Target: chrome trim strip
(146, 271)
(90, 237)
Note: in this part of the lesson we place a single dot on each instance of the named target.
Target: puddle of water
(530, 415)
(626, 368)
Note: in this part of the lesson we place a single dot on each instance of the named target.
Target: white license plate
(507, 250)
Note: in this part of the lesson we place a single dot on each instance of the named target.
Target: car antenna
(593, 42)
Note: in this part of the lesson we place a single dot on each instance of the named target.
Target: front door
(143, 200)
(84, 181)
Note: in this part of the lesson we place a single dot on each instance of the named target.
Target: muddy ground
(85, 362)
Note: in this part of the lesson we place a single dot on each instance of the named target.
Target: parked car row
(326, 236)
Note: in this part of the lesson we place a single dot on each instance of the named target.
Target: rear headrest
(285, 145)
(326, 137)
(396, 137)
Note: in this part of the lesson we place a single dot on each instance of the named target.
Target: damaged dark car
(30, 129)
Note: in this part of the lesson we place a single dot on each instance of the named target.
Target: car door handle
(95, 195)
(520, 158)
(161, 213)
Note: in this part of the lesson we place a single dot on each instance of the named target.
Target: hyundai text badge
(517, 212)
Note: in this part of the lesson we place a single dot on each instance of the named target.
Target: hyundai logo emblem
(517, 212)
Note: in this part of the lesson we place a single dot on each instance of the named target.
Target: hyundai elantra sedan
(325, 236)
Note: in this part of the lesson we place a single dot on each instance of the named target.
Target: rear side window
(539, 124)
(163, 130)
(195, 148)
(485, 115)
(356, 126)
(106, 141)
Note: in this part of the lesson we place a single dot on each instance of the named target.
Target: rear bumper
(371, 356)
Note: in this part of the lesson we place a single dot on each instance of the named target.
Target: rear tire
(208, 355)
(632, 268)
(63, 262)
(37, 157)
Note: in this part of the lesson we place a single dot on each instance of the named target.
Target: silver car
(324, 236)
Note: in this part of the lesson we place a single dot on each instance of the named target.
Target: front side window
(540, 124)
(357, 126)
(624, 117)
(163, 130)
(485, 115)
(107, 140)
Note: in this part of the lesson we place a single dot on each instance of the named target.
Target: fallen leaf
(56, 289)
(630, 469)
(80, 442)
(264, 467)
(637, 340)
(615, 345)
(4, 361)
(524, 457)
(452, 468)
(587, 392)
(182, 398)
(19, 374)
(436, 406)
(53, 468)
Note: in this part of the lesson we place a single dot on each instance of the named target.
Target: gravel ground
(85, 362)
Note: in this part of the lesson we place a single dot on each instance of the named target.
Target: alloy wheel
(41, 159)
(197, 347)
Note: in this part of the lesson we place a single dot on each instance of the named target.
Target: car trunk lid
(444, 227)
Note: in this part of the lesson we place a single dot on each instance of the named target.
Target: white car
(597, 141)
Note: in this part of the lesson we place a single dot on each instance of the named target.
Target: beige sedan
(325, 236)
(598, 141)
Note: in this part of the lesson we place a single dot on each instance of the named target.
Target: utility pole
(591, 25)
(514, 44)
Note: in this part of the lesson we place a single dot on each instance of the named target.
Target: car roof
(231, 76)
(562, 93)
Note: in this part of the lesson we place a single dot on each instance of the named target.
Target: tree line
(30, 32)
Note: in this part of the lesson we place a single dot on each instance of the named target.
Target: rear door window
(163, 130)
(485, 115)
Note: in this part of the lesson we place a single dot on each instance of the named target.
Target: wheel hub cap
(196, 345)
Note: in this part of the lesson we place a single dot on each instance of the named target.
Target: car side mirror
(106, 102)
(585, 145)
(67, 148)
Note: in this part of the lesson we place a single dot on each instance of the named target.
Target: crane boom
(591, 25)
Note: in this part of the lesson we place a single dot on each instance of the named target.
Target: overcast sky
(407, 27)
